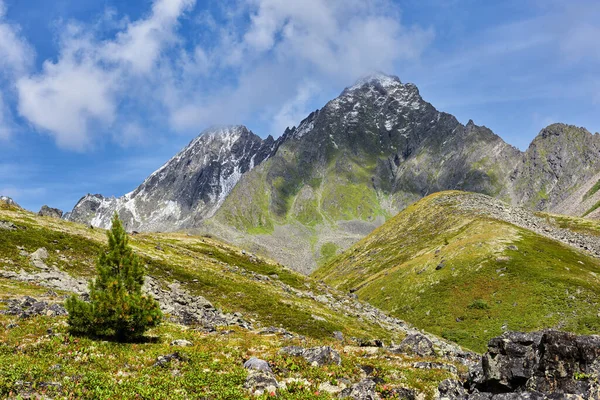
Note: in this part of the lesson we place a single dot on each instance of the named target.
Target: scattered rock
(28, 307)
(417, 344)
(363, 390)
(316, 356)
(331, 389)
(163, 361)
(40, 254)
(46, 211)
(537, 365)
(7, 225)
(261, 382)
(440, 265)
(451, 389)
(181, 343)
(404, 393)
(258, 365)
(338, 336)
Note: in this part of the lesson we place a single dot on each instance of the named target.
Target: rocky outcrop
(28, 307)
(415, 343)
(260, 379)
(8, 202)
(538, 365)
(558, 161)
(46, 211)
(176, 302)
(493, 208)
(316, 356)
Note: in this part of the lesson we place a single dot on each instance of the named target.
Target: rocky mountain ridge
(344, 170)
(188, 188)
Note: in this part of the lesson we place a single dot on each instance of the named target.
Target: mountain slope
(561, 159)
(351, 165)
(467, 267)
(188, 188)
(345, 170)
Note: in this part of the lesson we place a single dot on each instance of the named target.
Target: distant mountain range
(346, 169)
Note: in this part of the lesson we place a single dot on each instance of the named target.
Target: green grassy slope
(466, 277)
(40, 359)
(203, 265)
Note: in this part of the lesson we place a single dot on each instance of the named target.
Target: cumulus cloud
(80, 93)
(331, 41)
(255, 62)
(16, 57)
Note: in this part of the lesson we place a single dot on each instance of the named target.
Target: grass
(593, 190)
(38, 356)
(592, 209)
(576, 224)
(437, 268)
(206, 267)
(62, 366)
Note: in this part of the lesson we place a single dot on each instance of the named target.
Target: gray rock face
(46, 211)
(29, 307)
(316, 356)
(538, 365)
(363, 390)
(415, 344)
(187, 189)
(8, 201)
(258, 365)
(560, 159)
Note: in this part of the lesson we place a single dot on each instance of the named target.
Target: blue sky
(95, 95)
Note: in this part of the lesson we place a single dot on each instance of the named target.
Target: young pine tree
(117, 306)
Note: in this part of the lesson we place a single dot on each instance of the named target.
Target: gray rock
(7, 225)
(261, 382)
(8, 201)
(363, 390)
(258, 365)
(451, 389)
(338, 336)
(46, 211)
(165, 360)
(538, 365)
(417, 344)
(317, 356)
(181, 343)
(40, 254)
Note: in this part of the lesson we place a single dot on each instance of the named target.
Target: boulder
(7, 225)
(316, 356)
(536, 365)
(363, 390)
(261, 382)
(181, 343)
(46, 211)
(257, 364)
(417, 344)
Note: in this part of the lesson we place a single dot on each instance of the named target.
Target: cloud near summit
(180, 67)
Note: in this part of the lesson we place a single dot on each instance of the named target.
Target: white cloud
(81, 92)
(332, 42)
(255, 62)
(15, 58)
(15, 54)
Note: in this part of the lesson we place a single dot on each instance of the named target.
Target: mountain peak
(381, 79)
